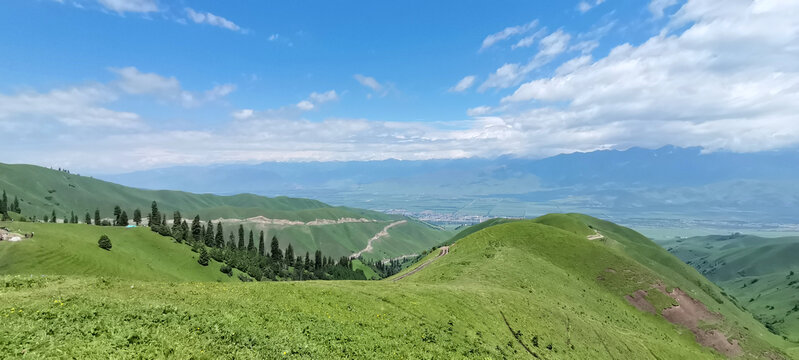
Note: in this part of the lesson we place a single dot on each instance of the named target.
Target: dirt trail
(596, 236)
(444, 251)
(383, 233)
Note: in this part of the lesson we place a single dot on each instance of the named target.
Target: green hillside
(761, 273)
(71, 249)
(515, 290)
(42, 191)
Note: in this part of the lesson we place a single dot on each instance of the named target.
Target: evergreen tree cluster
(240, 252)
(6, 206)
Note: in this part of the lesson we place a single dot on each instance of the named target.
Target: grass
(71, 249)
(756, 271)
(500, 289)
(367, 271)
(42, 191)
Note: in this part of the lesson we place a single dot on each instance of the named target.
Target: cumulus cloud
(75, 106)
(508, 32)
(134, 82)
(509, 75)
(315, 99)
(211, 19)
(657, 7)
(464, 84)
(693, 88)
(136, 6)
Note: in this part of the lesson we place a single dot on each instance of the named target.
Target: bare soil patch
(638, 299)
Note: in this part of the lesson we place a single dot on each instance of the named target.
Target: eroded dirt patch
(638, 299)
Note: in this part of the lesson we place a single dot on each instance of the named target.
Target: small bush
(245, 278)
(226, 269)
(104, 243)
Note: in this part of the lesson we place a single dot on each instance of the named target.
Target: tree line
(6, 206)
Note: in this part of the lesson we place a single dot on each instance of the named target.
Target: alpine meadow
(583, 179)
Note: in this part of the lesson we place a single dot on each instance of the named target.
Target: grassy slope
(543, 279)
(367, 271)
(71, 249)
(754, 270)
(68, 192)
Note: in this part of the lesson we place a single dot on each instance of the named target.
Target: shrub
(226, 269)
(104, 243)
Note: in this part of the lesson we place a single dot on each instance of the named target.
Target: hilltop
(307, 224)
(761, 273)
(524, 289)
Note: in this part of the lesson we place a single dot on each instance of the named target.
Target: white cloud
(657, 7)
(305, 105)
(509, 75)
(76, 106)
(369, 82)
(321, 98)
(479, 111)
(464, 84)
(694, 88)
(135, 82)
(123, 6)
(492, 39)
(274, 37)
(243, 114)
(586, 5)
(211, 19)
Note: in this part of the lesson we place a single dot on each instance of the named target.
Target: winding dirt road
(444, 251)
(383, 233)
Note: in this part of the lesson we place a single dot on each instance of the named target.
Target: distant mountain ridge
(685, 181)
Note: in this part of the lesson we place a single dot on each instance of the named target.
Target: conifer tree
(277, 254)
(240, 245)
(163, 220)
(196, 229)
(184, 228)
(261, 244)
(137, 217)
(117, 214)
(97, 217)
(232, 241)
(53, 219)
(289, 255)
(219, 239)
(46, 218)
(16, 206)
(155, 216)
(209, 235)
(204, 258)
(123, 219)
(317, 260)
(4, 203)
(88, 219)
(307, 261)
(251, 243)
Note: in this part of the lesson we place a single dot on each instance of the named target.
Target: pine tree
(307, 261)
(261, 244)
(184, 229)
(251, 243)
(16, 206)
(123, 219)
(97, 220)
(4, 203)
(196, 229)
(71, 218)
(53, 219)
(88, 219)
(104, 243)
(204, 258)
(289, 255)
(240, 245)
(317, 264)
(163, 220)
(219, 239)
(155, 216)
(117, 214)
(209, 235)
(46, 218)
(231, 241)
(277, 254)
(137, 217)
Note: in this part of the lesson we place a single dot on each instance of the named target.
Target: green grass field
(506, 291)
(761, 273)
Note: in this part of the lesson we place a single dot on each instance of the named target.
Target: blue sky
(157, 83)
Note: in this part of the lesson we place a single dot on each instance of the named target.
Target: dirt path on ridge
(383, 233)
(444, 251)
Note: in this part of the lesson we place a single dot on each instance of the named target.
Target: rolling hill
(307, 224)
(523, 289)
(761, 273)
